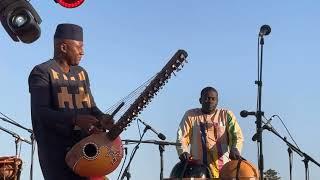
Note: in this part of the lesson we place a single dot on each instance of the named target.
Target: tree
(271, 174)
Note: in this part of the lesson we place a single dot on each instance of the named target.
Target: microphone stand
(307, 158)
(17, 139)
(16, 124)
(161, 149)
(161, 146)
(259, 113)
(160, 135)
(32, 142)
(126, 172)
(290, 162)
(125, 158)
(264, 30)
(16, 136)
(32, 154)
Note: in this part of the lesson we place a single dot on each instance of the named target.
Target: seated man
(213, 134)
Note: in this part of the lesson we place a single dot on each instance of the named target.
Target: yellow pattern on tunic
(222, 133)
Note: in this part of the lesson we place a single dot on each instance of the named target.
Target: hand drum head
(242, 169)
(190, 169)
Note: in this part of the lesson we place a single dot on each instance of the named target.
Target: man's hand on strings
(87, 123)
(106, 121)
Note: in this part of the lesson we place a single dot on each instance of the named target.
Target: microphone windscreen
(244, 113)
(161, 136)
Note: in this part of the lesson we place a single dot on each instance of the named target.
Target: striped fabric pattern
(221, 131)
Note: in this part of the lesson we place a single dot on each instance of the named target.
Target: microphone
(265, 30)
(245, 113)
(160, 135)
(255, 136)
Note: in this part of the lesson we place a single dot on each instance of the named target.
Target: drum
(190, 169)
(239, 169)
(10, 168)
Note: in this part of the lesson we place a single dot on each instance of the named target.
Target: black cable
(289, 149)
(8, 118)
(296, 149)
(127, 152)
(139, 129)
(125, 158)
(275, 115)
(126, 171)
(287, 130)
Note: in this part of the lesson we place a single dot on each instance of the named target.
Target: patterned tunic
(209, 137)
(56, 99)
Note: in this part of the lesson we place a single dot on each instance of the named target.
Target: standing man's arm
(41, 107)
(235, 135)
(184, 137)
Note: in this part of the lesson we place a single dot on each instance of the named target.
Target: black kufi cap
(69, 31)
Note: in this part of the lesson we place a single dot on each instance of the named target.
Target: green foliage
(271, 174)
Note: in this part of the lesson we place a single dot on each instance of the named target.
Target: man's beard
(208, 108)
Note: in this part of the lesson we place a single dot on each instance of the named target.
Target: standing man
(213, 134)
(62, 108)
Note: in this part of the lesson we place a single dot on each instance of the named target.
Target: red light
(70, 3)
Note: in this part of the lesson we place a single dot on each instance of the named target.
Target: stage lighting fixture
(20, 20)
(69, 3)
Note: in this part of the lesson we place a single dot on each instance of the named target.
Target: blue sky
(127, 42)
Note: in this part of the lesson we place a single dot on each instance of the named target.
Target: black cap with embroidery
(69, 31)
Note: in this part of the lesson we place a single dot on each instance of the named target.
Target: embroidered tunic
(209, 137)
(56, 99)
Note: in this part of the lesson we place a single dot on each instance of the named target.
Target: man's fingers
(184, 156)
(234, 156)
(94, 130)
